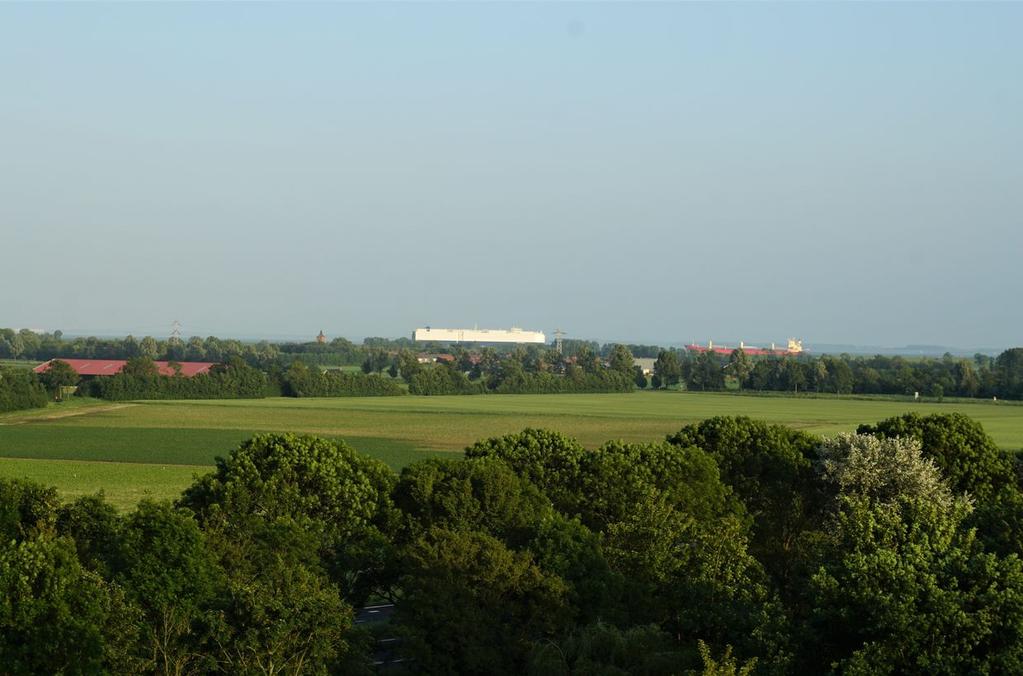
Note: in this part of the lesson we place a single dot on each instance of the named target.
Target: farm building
(646, 364)
(109, 367)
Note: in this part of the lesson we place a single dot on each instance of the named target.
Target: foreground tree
(897, 569)
(606, 650)
(322, 486)
(471, 605)
(771, 469)
(971, 462)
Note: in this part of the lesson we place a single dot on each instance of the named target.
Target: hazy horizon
(841, 173)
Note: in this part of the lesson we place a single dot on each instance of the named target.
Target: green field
(20, 363)
(154, 448)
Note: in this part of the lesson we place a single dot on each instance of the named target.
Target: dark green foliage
(667, 369)
(59, 375)
(27, 510)
(168, 571)
(482, 495)
(617, 477)
(770, 468)
(549, 460)
(1008, 374)
(20, 389)
(96, 529)
(707, 372)
(319, 483)
(300, 381)
(286, 618)
(140, 380)
(891, 583)
(575, 380)
(441, 379)
(305, 490)
(56, 617)
(605, 650)
(574, 553)
(520, 374)
(471, 605)
(734, 547)
(620, 360)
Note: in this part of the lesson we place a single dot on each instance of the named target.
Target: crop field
(153, 449)
(19, 363)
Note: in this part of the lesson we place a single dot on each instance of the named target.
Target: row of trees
(302, 381)
(531, 370)
(25, 344)
(21, 389)
(731, 546)
(140, 379)
(982, 376)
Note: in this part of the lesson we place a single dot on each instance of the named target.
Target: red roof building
(109, 367)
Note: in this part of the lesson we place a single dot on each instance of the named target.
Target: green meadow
(153, 449)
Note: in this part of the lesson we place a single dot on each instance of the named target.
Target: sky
(839, 172)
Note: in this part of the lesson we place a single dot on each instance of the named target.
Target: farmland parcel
(152, 449)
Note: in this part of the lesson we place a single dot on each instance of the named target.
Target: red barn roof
(108, 367)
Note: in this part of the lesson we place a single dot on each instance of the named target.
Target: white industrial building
(512, 335)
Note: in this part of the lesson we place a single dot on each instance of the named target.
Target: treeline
(21, 389)
(301, 381)
(523, 370)
(25, 344)
(140, 379)
(981, 376)
(733, 546)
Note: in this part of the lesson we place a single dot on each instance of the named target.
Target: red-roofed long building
(108, 367)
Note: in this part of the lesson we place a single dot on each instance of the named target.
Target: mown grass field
(154, 448)
(19, 363)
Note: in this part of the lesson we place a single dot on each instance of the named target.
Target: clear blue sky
(846, 173)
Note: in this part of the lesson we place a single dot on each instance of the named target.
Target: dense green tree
(550, 460)
(95, 528)
(167, 570)
(692, 575)
(322, 486)
(58, 376)
(706, 373)
(27, 510)
(565, 547)
(771, 469)
(471, 605)
(482, 494)
(616, 477)
(740, 366)
(56, 617)
(621, 359)
(601, 649)
(667, 368)
(588, 359)
(20, 389)
(1008, 373)
(897, 569)
(284, 619)
(408, 364)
